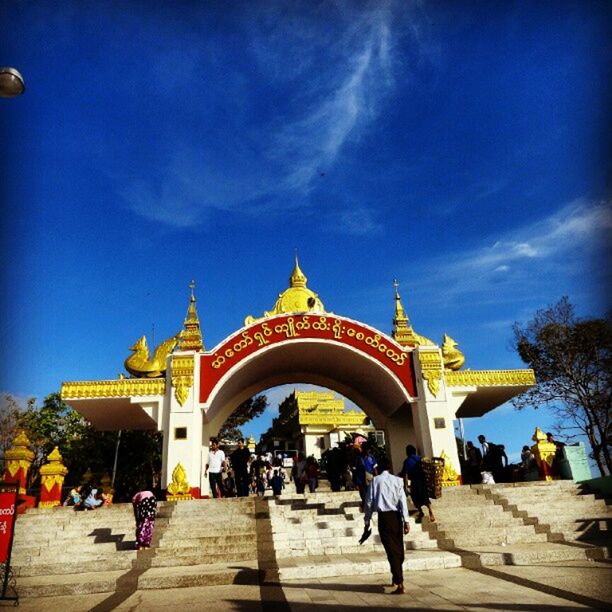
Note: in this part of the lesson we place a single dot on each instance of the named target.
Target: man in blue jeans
(214, 468)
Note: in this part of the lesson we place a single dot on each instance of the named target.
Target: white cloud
(523, 261)
(335, 71)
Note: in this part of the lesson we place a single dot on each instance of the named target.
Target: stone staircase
(61, 552)
(560, 509)
(318, 536)
(465, 519)
(519, 523)
(203, 542)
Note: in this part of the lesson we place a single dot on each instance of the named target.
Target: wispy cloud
(359, 221)
(329, 76)
(524, 260)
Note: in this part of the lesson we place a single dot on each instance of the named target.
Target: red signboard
(7, 522)
(301, 327)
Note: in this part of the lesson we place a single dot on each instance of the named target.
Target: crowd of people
(352, 466)
(240, 473)
(489, 463)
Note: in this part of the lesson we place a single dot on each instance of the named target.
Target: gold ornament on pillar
(179, 489)
(17, 461)
(545, 453)
(431, 370)
(450, 478)
(52, 476)
(182, 376)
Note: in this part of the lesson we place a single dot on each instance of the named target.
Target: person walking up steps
(145, 509)
(214, 468)
(386, 496)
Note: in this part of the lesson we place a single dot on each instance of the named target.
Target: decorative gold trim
(490, 378)
(334, 420)
(431, 370)
(450, 478)
(53, 473)
(49, 504)
(50, 481)
(126, 387)
(179, 488)
(182, 377)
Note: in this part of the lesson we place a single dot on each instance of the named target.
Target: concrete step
(323, 566)
(166, 540)
(53, 585)
(529, 553)
(454, 523)
(245, 572)
(200, 559)
(470, 516)
(111, 563)
(482, 539)
(569, 511)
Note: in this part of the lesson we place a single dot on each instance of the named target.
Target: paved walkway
(572, 585)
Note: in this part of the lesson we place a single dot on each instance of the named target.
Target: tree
(572, 361)
(83, 447)
(10, 411)
(248, 410)
(52, 424)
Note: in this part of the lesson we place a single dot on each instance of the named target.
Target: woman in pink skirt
(145, 508)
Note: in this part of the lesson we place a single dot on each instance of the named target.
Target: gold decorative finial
(297, 278)
(191, 336)
(453, 357)
(139, 365)
(402, 330)
(297, 298)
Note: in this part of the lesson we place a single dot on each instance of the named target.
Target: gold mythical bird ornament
(453, 357)
(139, 364)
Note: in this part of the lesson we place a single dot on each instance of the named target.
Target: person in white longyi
(386, 496)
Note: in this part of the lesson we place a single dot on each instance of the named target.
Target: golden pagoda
(297, 298)
(191, 337)
(403, 333)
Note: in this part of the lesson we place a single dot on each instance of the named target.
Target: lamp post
(11, 83)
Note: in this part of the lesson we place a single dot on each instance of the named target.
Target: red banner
(301, 327)
(7, 522)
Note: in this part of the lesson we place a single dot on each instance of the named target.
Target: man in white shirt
(214, 468)
(386, 496)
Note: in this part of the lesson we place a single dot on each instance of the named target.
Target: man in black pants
(240, 462)
(386, 496)
(214, 468)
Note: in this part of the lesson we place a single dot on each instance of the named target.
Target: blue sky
(459, 147)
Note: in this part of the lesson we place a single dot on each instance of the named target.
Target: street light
(11, 83)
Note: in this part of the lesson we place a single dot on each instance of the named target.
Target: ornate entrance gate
(410, 387)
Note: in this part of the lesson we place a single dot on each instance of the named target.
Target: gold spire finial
(400, 313)
(402, 330)
(191, 337)
(297, 278)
